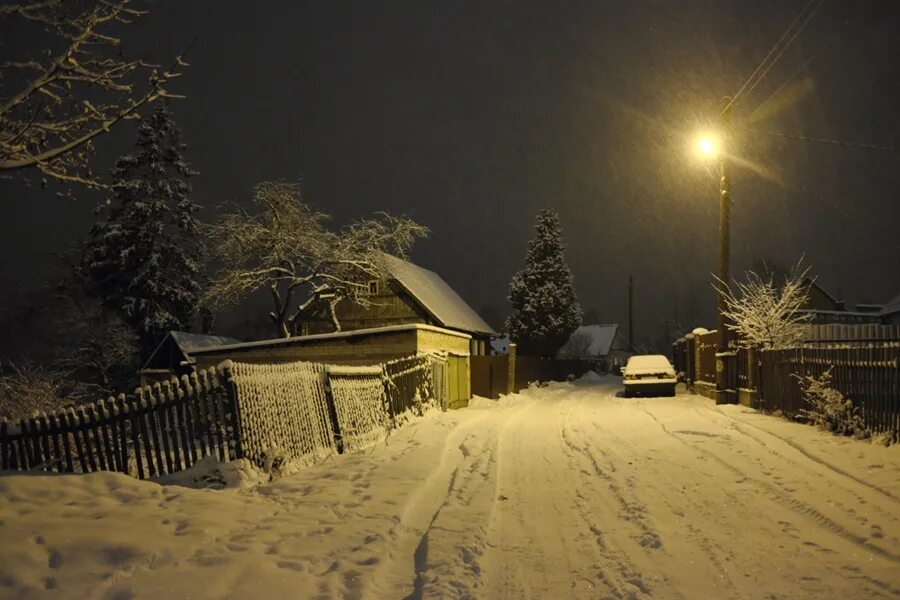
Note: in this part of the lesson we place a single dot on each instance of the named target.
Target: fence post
(752, 383)
(332, 414)
(232, 411)
(511, 371)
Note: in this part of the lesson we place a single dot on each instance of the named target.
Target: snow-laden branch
(764, 314)
(287, 248)
(53, 106)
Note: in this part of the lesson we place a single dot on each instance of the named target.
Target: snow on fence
(158, 430)
(412, 381)
(293, 411)
(360, 406)
(282, 409)
(868, 375)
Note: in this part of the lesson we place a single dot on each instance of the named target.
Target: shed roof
(436, 297)
(337, 335)
(600, 338)
(892, 306)
(191, 342)
(178, 346)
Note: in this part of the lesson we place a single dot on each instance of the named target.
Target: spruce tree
(143, 261)
(545, 310)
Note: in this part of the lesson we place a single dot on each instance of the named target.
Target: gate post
(511, 371)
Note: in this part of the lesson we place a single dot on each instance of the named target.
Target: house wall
(817, 299)
(356, 350)
(390, 306)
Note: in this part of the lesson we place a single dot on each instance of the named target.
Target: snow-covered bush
(26, 390)
(765, 314)
(830, 409)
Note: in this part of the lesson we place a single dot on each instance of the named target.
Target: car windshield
(650, 361)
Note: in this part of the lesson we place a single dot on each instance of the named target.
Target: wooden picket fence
(220, 411)
(158, 430)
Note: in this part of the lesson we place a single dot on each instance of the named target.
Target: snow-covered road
(563, 492)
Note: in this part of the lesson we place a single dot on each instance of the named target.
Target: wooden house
(410, 295)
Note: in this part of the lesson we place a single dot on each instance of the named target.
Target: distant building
(824, 309)
(605, 344)
(890, 312)
(411, 295)
(175, 354)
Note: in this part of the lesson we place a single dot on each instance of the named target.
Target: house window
(373, 288)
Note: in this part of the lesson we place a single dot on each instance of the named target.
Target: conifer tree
(545, 310)
(143, 261)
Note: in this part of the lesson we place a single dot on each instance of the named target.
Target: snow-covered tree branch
(764, 314)
(54, 104)
(288, 249)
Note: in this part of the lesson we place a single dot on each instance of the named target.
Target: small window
(373, 288)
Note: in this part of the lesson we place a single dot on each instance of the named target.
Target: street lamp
(710, 146)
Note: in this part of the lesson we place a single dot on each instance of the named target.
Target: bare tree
(764, 314)
(54, 104)
(288, 249)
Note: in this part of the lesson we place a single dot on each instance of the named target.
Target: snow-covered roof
(303, 339)
(892, 307)
(600, 339)
(191, 342)
(436, 297)
(178, 346)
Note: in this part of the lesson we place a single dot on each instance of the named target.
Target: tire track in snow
(627, 581)
(405, 538)
(526, 554)
(707, 547)
(887, 516)
(807, 454)
(785, 499)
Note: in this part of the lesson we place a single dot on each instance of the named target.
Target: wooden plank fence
(409, 382)
(868, 375)
(158, 430)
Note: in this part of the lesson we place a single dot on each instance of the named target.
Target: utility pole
(631, 314)
(726, 384)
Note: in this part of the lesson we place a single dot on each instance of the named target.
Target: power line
(765, 61)
(781, 87)
(785, 47)
(806, 138)
(890, 242)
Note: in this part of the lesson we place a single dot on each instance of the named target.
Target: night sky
(471, 116)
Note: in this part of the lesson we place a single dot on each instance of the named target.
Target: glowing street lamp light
(708, 147)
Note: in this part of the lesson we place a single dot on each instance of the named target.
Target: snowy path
(563, 492)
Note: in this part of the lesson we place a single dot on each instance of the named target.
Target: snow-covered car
(649, 374)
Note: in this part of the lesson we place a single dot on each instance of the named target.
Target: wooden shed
(358, 347)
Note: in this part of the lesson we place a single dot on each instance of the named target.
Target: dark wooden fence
(530, 368)
(865, 369)
(409, 382)
(158, 430)
(490, 375)
(868, 375)
(706, 345)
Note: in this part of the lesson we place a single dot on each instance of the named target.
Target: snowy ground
(563, 492)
